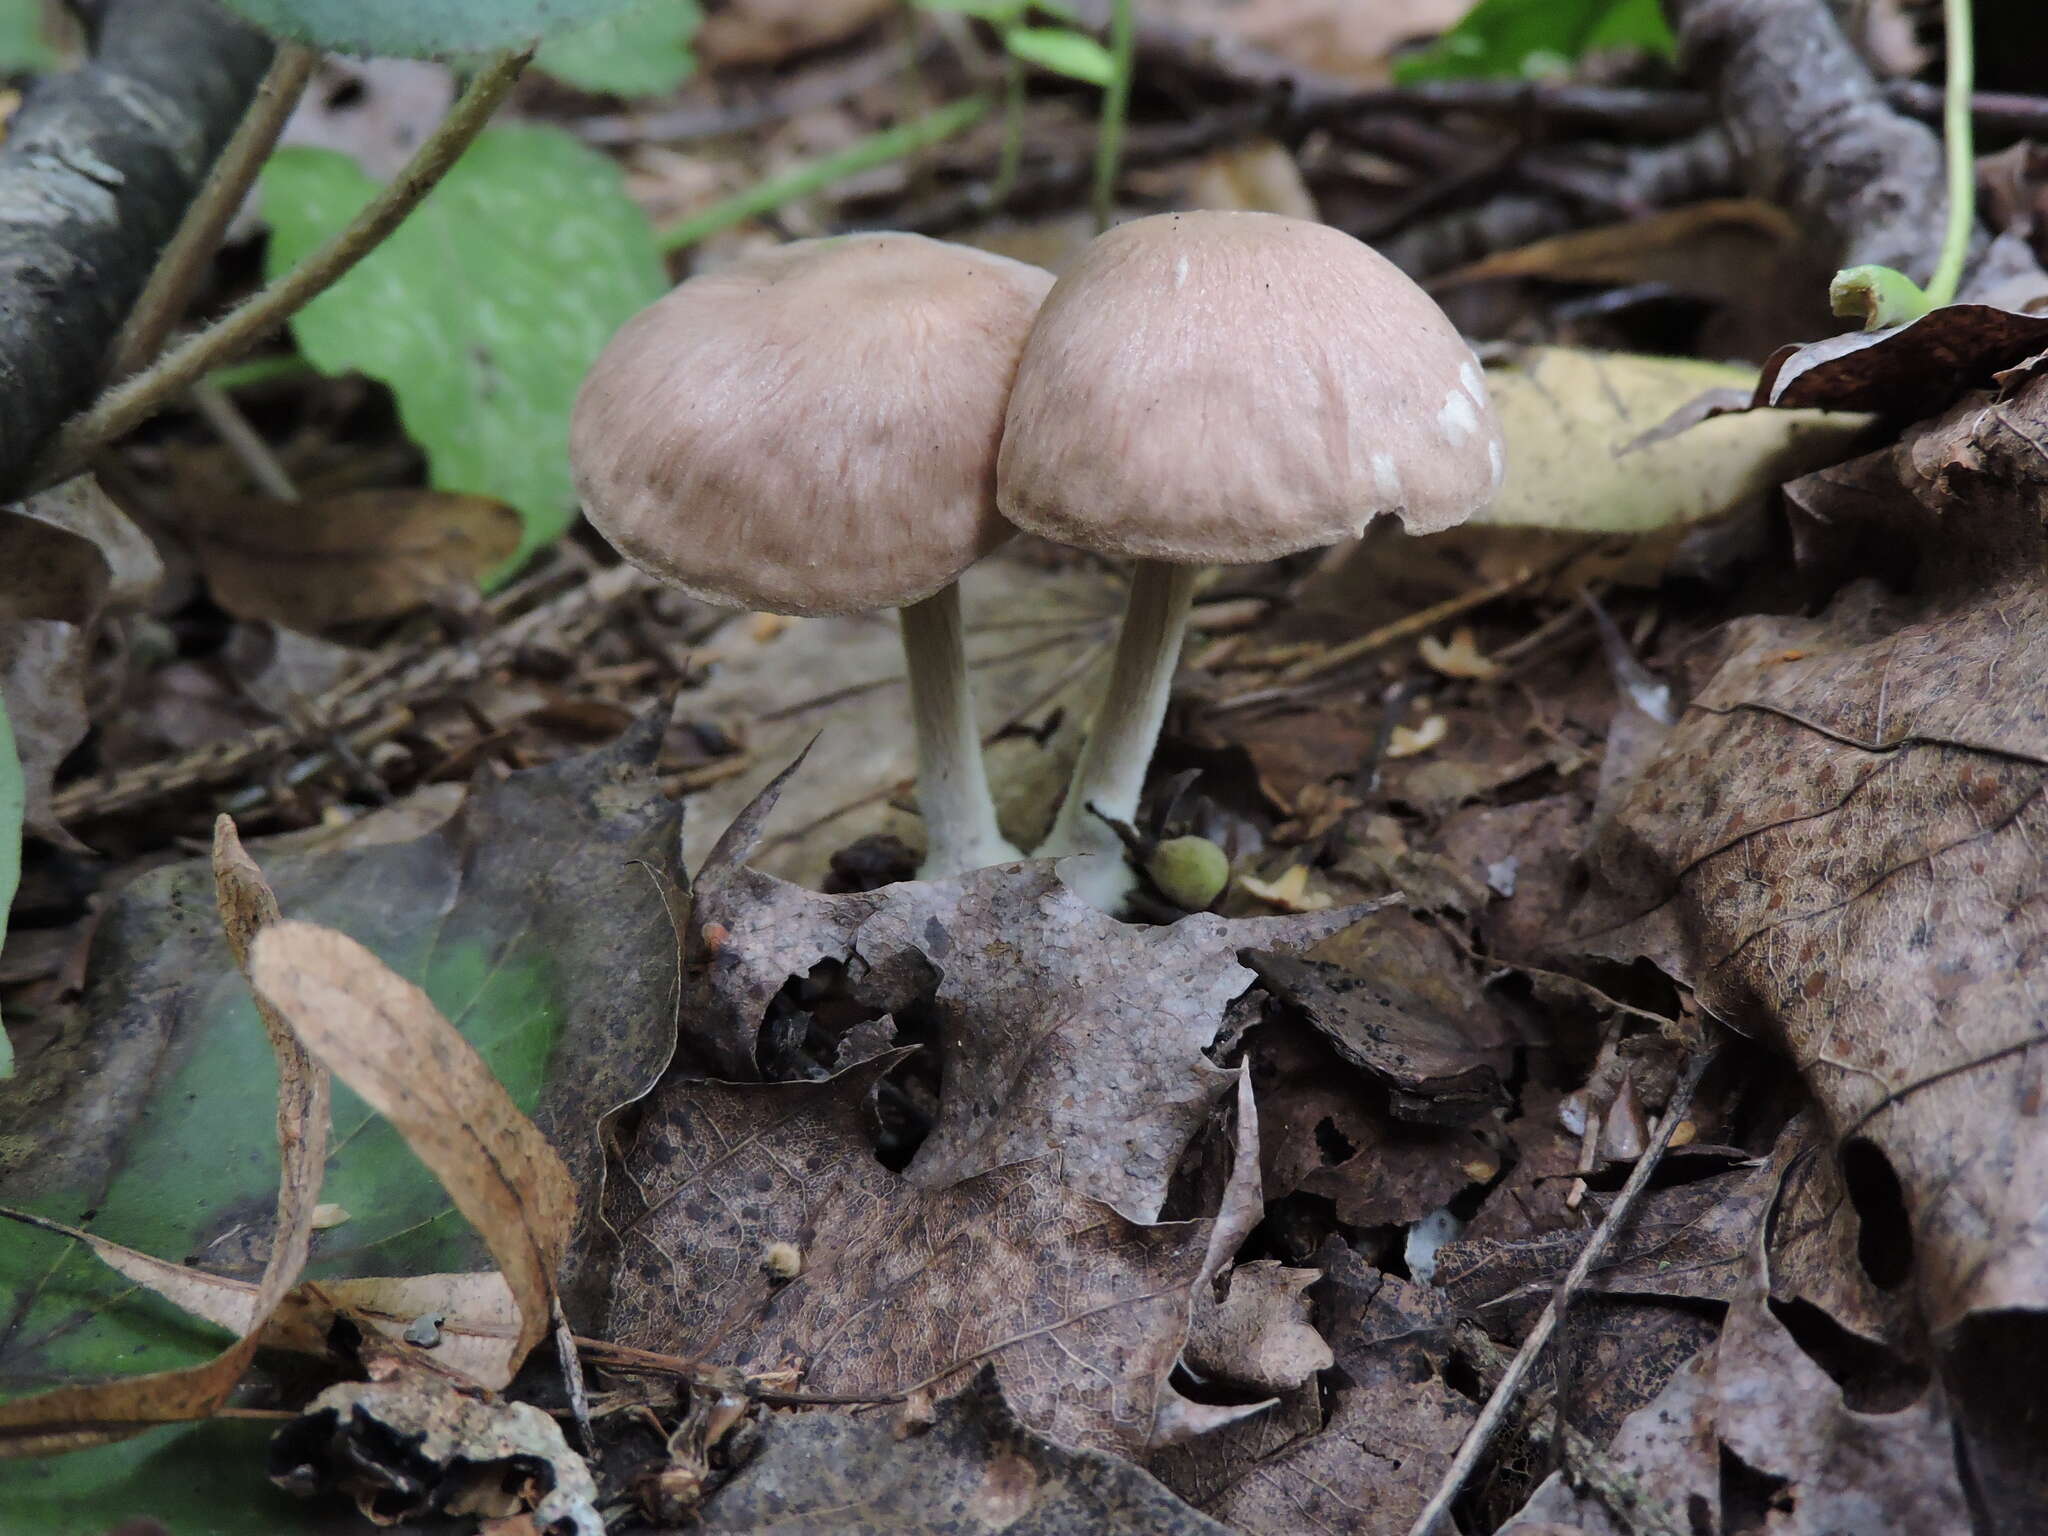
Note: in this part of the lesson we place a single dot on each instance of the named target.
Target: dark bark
(1813, 132)
(98, 167)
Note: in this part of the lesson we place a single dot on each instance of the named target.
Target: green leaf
(484, 309)
(1073, 54)
(23, 48)
(999, 12)
(13, 802)
(422, 28)
(641, 52)
(1536, 37)
(533, 925)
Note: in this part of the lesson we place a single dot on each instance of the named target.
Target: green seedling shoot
(1060, 49)
(1884, 296)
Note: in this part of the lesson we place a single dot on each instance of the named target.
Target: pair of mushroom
(845, 425)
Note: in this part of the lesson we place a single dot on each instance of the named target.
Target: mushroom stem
(952, 785)
(1111, 773)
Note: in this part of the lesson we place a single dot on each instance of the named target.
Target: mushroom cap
(1230, 387)
(813, 429)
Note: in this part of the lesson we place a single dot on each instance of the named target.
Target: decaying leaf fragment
(1578, 460)
(69, 558)
(387, 1040)
(415, 1445)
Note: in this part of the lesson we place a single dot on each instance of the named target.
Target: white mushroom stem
(952, 784)
(1110, 776)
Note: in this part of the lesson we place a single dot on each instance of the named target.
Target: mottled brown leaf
(1754, 1421)
(1909, 371)
(978, 1467)
(1393, 1422)
(902, 1288)
(1841, 842)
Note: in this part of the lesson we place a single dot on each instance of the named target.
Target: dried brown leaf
(388, 1042)
(1081, 1311)
(1841, 842)
(350, 557)
(67, 557)
(1393, 1421)
(977, 1467)
(1259, 1335)
(1909, 371)
(1754, 1420)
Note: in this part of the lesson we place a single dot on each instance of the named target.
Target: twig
(1639, 1510)
(192, 248)
(243, 440)
(1498, 1406)
(129, 404)
(1409, 625)
(371, 692)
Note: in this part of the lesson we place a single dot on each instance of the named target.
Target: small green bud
(1190, 872)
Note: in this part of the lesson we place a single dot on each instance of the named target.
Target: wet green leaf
(640, 52)
(1536, 37)
(484, 309)
(421, 28)
(1073, 54)
(533, 928)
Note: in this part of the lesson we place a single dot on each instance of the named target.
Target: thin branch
(192, 248)
(129, 404)
(1499, 1405)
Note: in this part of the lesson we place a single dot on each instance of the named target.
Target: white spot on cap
(1495, 458)
(1386, 479)
(1180, 270)
(1475, 386)
(1457, 420)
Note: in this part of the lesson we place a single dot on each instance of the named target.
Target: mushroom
(813, 430)
(1219, 387)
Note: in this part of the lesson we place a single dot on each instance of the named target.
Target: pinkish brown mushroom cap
(811, 430)
(1231, 387)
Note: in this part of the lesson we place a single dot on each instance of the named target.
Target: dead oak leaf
(1392, 1425)
(1064, 1033)
(1840, 840)
(1754, 1403)
(977, 1467)
(904, 1288)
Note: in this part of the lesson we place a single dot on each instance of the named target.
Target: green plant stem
(127, 405)
(192, 248)
(1013, 133)
(1116, 105)
(862, 155)
(1956, 140)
